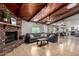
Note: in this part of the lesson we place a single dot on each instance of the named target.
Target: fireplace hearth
(10, 37)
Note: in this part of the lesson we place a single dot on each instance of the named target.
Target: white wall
(45, 28)
(50, 28)
(72, 21)
(27, 27)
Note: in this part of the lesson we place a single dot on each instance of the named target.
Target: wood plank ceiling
(45, 13)
(13, 7)
(29, 10)
(48, 9)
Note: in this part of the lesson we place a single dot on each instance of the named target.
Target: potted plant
(6, 16)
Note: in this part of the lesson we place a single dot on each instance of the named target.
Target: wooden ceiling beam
(58, 12)
(19, 7)
(37, 12)
(47, 10)
(53, 11)
(72, 12)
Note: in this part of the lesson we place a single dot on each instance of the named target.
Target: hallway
(64, 47)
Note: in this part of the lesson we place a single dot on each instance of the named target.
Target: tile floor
(67, 46)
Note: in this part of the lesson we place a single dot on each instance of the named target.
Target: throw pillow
(45, 35)
(42, 35)
(50, 35)
(31, 36)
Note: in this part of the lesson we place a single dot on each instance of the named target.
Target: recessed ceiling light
(71, 5)
(48, 23)
(35, 19)
(48, 17)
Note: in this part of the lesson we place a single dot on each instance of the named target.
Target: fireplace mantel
(7, 24)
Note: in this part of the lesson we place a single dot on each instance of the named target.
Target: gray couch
(32, 37)
(76, 33)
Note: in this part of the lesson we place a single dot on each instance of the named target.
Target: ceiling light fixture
(35, 19)
(49, 19)
(48, 23)
(71, 5)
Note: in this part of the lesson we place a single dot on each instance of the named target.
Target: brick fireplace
(9, 35)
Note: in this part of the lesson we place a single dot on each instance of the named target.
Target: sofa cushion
(43, 35)
(50, 35)
(31, 36)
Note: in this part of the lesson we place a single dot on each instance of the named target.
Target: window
(35, 30)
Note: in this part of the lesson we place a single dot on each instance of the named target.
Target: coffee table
(43, 41)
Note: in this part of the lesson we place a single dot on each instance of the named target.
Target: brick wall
(5, 48)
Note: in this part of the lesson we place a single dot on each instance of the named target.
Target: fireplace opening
(10, 37)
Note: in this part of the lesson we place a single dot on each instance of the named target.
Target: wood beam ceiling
(42, 11)
(29, 10)
(69, 13)
(56, 14)
(13, 7)
(47, 10)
